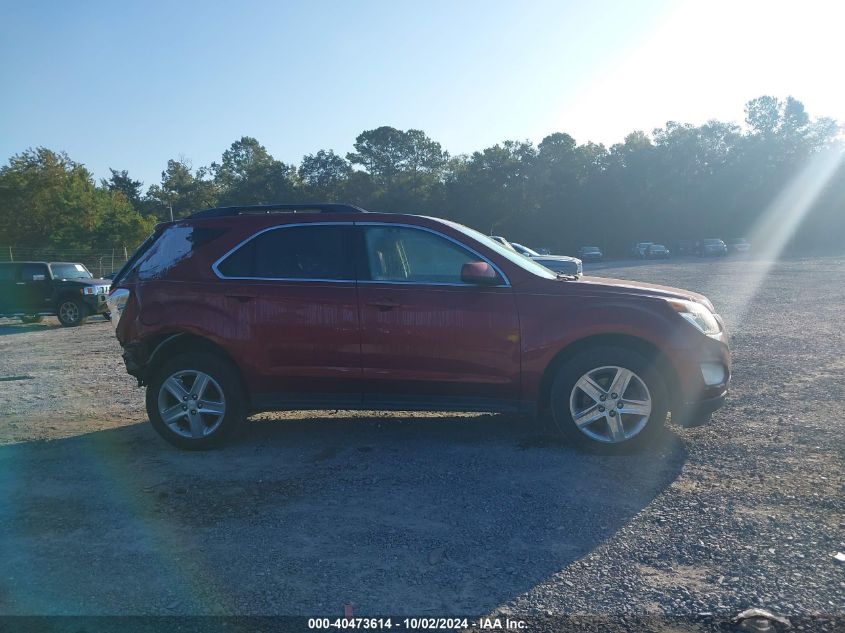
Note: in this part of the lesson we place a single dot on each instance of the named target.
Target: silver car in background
(558, 263)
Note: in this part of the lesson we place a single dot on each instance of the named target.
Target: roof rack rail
(309, 207)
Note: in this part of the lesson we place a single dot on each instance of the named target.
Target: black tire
(32, 319)
(71, 312)
(227, 382)
(593, 359)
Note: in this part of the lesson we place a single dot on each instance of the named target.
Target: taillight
(117, 303)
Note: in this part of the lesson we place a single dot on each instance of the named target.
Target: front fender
(551, 324)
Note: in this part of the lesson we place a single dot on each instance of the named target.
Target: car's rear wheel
(609, 399)
(195, 401)
(32, 319)
(71, 312)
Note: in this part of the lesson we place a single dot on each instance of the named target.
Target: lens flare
(779, 222)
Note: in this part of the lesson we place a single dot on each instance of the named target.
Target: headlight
(95, 290)
(697, 314)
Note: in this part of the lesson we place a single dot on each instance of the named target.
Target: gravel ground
(432, 514)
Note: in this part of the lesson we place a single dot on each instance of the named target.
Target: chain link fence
(101, 262)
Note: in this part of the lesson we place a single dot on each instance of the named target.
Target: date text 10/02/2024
(432, 624)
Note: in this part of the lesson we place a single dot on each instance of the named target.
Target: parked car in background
(277, 307)
(32, 290)
(638, 250)
(590, 254)
(558, 263)
(503, 242)
(712, 247)
(657, 251)
(739, 245)
(685, 247)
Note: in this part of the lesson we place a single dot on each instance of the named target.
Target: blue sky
(130, 84)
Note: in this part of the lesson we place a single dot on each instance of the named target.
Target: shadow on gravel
(22, 328)
(396, 514)
(9, 326)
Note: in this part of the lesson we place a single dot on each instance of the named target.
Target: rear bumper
(135, 359)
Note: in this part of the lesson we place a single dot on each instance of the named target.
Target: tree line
(680, 182)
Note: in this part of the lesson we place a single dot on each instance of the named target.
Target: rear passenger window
(296, 252)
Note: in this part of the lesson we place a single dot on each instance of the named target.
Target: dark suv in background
(244, 309)
(32, 290)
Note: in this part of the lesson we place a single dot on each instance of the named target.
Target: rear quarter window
(161, 252)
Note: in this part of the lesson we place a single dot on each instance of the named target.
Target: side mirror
(479, 273)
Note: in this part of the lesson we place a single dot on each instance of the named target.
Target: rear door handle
(384, 304)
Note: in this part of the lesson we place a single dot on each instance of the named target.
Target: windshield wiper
(567, 276)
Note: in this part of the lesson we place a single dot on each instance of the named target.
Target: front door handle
(384, 305)
(241, 298)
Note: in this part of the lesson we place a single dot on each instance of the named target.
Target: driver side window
(404, 254)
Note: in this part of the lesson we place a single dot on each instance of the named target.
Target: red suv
(327, 306)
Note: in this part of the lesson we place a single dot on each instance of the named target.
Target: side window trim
(361, 245)
(215, 266)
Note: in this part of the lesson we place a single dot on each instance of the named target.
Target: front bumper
(704, 373)
(96, 304)
(698, 413)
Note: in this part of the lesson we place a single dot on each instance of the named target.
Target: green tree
(386, 152)
(323, 175)
(182, 189)
(492, 189)
(49, 200)
(130, 188)
(248, 174)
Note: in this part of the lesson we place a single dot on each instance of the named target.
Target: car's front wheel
(71, 312)
(610, 399)
(195, 401)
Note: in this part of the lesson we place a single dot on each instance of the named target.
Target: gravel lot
(437, 514)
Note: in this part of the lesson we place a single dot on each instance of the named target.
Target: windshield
(524, 250)
(590, 249)
(70, 271)
(511, 255)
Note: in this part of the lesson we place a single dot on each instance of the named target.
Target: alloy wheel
(191, 403)
(69, 312)
(610, 404)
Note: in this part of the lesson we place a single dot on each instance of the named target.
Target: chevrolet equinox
(236, 310)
